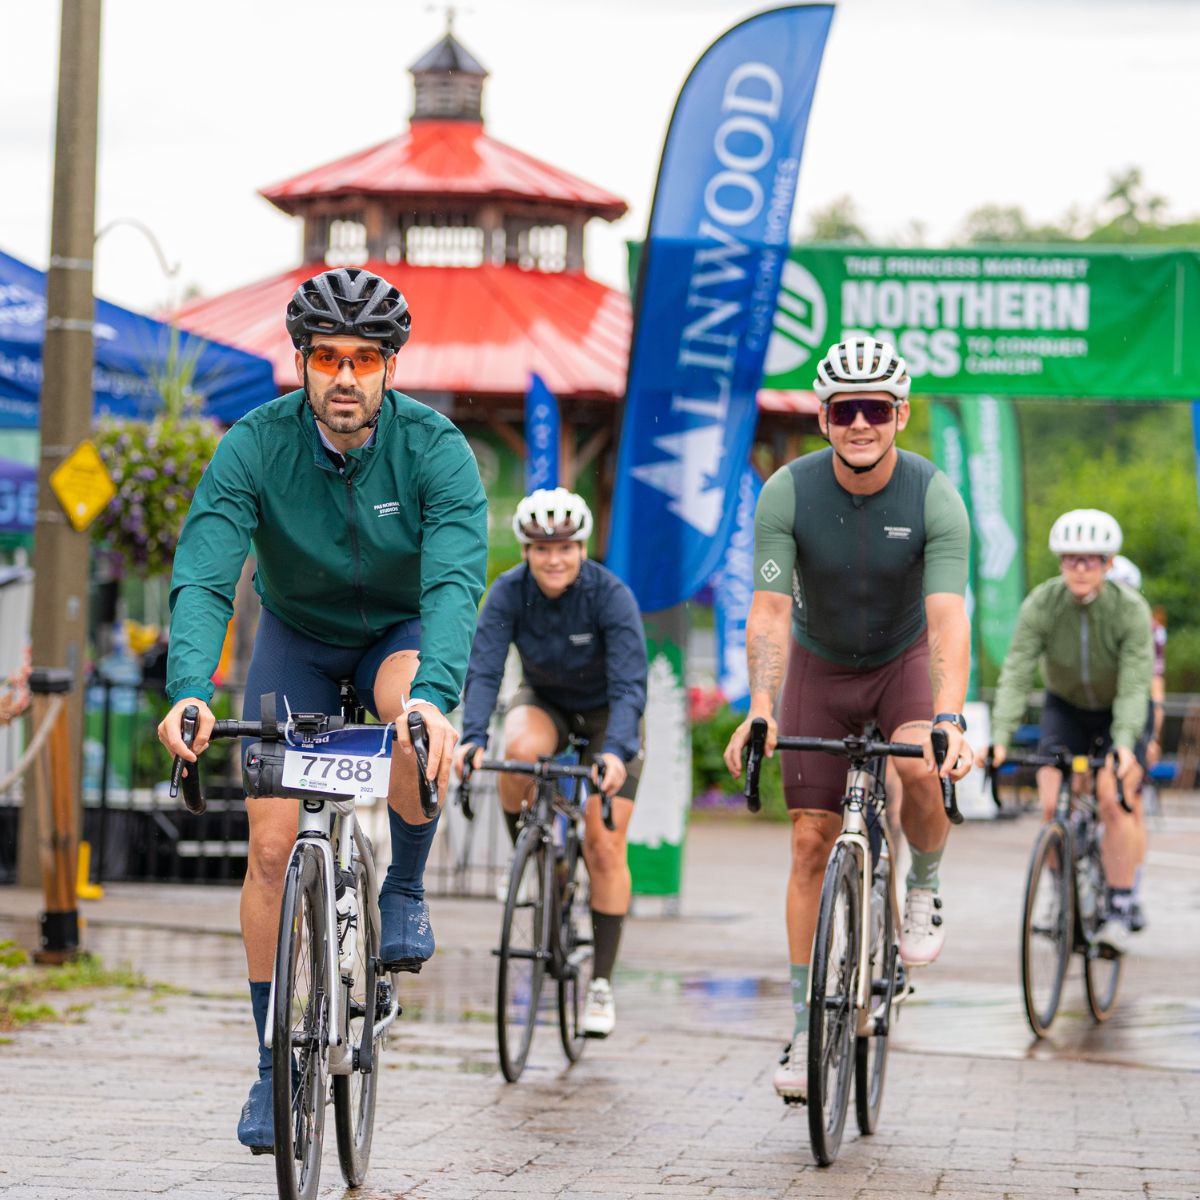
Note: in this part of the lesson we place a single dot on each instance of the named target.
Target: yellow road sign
(83, 485)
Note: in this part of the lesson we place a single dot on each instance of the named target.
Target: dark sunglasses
(875, 412)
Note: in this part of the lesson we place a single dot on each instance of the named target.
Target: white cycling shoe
(921, 934)
(1113, 937)
(599, 1013)
(791, 1076)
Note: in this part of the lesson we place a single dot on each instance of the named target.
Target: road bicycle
(1064, 909)
(857, 975)
(546, 927)
(332, 997)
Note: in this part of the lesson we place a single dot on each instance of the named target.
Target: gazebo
(487, 244)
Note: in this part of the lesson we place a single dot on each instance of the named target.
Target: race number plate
(346, 762)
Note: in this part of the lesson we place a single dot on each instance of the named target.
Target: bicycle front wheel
(354, 1094)
(833, 1011)
(870, 1053)
(576, 946)
(524, 939)
(1047, 927)
(300, 1028)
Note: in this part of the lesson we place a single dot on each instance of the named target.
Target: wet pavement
(138, 1095)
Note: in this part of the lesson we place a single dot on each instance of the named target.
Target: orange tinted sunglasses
(327, 360)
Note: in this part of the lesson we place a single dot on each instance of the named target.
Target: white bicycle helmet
(1123, 571)
(861, 364)
(552, 516)
(1085, 531)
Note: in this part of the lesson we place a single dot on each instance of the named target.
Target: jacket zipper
(353, 527)
(1085, 672)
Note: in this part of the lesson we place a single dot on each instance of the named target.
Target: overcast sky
(925, 109)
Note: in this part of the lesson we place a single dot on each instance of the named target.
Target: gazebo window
(542, 248)
(443, 245)
(347, 243)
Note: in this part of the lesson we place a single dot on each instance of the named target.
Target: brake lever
(941, 743)
(755, 749)
(193, 799)
(989, 775)
(606, 813)
(1120, 784)
(464, 785)
(427, 788)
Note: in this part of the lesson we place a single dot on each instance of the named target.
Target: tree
(838, 221)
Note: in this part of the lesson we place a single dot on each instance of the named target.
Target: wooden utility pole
(60, 552)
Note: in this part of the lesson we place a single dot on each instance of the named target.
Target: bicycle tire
(354, 1095)
(300, 1028)
(1047, 927)
(575, 974)
(833, 1005)
(1101, 973)
(870, 1053)
(524, 940)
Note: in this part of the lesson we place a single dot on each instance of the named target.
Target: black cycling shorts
(1065, 724)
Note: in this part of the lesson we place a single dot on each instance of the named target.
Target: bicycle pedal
(256, 1150)
(795, 1101)
(410, 966)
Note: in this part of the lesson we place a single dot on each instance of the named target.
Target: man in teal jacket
(369, 524)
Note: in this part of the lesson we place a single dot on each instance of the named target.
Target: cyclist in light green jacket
(1092, 640)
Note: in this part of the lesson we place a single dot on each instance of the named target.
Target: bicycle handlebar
(856, 747)
(542, 769)
(277, 731)
(1064, 761)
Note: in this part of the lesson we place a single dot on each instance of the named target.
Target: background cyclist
(862, 549)
(1093, 643)
(1125, 572)
(369, 523)
(580, 638)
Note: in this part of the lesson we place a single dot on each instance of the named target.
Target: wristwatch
(956, 719)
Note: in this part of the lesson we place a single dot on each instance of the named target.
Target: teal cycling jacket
(341, 557)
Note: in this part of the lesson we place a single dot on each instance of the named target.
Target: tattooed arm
(768, 630)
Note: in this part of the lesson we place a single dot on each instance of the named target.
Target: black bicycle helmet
(351, 302)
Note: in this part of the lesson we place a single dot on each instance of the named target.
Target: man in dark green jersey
(860, 574)
(368, 523)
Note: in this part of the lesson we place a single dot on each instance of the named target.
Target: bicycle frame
(860, 783)
(321, 825)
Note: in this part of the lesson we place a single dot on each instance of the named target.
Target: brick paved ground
(138, 1095)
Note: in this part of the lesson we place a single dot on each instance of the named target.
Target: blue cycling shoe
(256, 1128)
(406, 937)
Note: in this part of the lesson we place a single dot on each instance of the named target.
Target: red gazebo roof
(440, 160)
(476, 330)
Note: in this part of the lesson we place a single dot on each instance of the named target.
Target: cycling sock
(606, 937)
(1137, 884)
(1120, 903)
(511, 820)
(410, 851)
(799, 973)
(260, 999)
(924, 870)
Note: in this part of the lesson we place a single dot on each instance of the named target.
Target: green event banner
(950, 454)
(1065, 321)
(993, 450)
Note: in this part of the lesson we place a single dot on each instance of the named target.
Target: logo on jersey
(904, 532)
(389, 508)
(580, 639)
(770, 570)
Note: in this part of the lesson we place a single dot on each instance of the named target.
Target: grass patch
(24, 986)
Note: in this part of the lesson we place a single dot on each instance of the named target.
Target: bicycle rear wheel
(576, 946)
(354, 1094)
(1047, 927)
(870, 1053)
(524, 938)
(833, 1010)
(300, 1028)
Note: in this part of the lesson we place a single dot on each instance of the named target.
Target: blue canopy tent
(129, 349)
